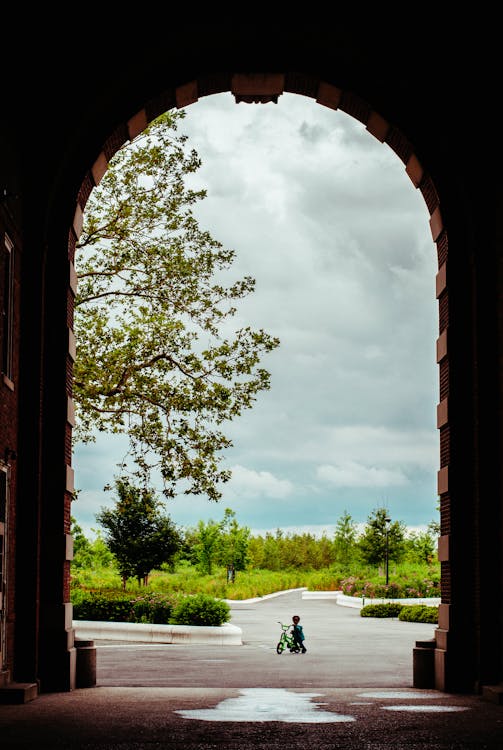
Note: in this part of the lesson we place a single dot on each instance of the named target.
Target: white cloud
(375, 446)
(251, 483)
(352, 474)
(297, 439)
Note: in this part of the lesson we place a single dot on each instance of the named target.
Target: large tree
(381, 534)
(157, 357)
(137, 532)
(422, 547)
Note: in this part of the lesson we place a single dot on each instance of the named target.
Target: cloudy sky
(324, 217)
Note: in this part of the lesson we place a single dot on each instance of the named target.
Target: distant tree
(89, 554)
(188, 546)
(282, 550)
(81, 544)
(372, 543)
(303, 551)
(434, 528)
(207, 544)
(156, 356)
(345, 539)
(256, 552)
(234, 541)
(140, 536)
(325, 552)
(273, 550)
(421, 547)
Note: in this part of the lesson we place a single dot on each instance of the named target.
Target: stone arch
(263, 88)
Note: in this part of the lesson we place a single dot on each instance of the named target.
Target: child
(298, 633)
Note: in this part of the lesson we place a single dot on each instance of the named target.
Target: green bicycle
(286, 641)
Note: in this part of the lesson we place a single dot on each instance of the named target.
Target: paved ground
(351, 690)
(344, 650)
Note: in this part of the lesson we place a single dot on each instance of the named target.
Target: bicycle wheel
(279, 648)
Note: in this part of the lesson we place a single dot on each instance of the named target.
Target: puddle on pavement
(409, 695)
(268, 704)
(405, 694)
(278, 704)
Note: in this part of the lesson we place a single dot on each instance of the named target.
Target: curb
(358, 602)
(266, 596)
(222, 635)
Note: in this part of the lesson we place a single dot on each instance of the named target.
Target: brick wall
(9, 416)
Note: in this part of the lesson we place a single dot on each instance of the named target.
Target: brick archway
(262, 89)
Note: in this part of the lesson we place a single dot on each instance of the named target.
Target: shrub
(391, 609)
(419, 613)
(351, 586)
(408, 585)
(392, 591)
(404, 612)
(200, 609)
(78, 595)
(112, 607)
(101, 607)
(152, 608)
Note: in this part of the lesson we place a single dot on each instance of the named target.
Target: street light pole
(387, 522)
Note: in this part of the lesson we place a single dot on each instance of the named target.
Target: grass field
(405, 580)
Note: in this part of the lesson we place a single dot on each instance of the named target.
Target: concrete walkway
(351, 690)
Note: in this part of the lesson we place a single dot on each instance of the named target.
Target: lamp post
(387, 521)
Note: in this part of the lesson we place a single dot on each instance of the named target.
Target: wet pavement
(352, 689)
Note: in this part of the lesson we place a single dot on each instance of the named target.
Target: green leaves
(345, 539)
(136, 531)
(219, 543)
(378, 536)
(153, 360)
(200, 609)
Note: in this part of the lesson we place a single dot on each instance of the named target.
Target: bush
(391, 609)
(110, 607)
(152, 608)
(200, 609)
(408, 585)
(404, 612)
(419, 613)
(101, 607)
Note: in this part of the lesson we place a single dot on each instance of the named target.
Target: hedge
(201, 609)
(95, 606)
(390, 609)
(419, 613)
(404, 612)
